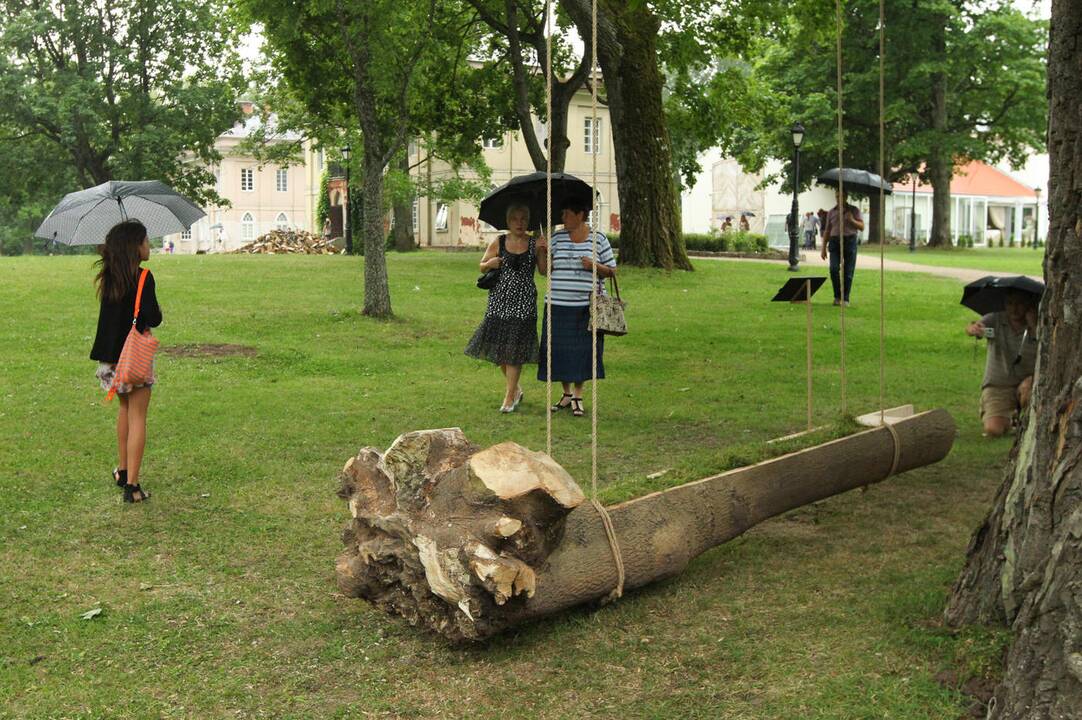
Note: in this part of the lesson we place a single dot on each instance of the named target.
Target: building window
(281, 180)
(281, 222)
(592, 135)
(492, 143)
(442, 213)
(247, 179)
(247, 227)
(416, 213)
(186, 234)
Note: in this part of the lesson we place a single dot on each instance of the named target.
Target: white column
(1018, 222)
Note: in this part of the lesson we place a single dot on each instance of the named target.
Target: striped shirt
(570, 282)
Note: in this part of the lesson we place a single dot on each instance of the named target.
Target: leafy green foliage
(116, 89)
(993, 60)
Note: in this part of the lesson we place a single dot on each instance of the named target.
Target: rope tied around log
(618, 557)
(897, 450)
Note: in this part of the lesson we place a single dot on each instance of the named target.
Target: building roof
(980, 180)
(250, 124)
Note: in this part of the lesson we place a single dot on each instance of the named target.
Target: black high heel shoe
(560, 405)
(120, 477)
(130, 494)
(576, 407)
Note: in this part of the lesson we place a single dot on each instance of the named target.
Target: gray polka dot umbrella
(85, 216)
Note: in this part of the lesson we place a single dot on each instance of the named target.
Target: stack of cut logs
(282, 242)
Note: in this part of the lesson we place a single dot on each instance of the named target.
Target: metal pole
(346, 214)
(913, 217)
(794, 217)
(1037, 222)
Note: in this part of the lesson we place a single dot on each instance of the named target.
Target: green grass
(218, 596)
(1024, 261)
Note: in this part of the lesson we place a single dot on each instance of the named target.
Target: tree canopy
(118, 89)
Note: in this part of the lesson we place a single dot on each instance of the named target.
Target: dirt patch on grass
(210, 350)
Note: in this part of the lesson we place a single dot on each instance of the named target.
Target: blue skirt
(571, 348)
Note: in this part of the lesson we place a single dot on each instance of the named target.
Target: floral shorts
(107, 371)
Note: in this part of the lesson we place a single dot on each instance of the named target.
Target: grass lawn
(218, 597)
(1021, 260)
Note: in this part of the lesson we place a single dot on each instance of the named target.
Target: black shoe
(576, 407)
(560, 405)
(120, 477)
(135, 494)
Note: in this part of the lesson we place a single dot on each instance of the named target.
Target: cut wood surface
(288, 242)
(468, 542)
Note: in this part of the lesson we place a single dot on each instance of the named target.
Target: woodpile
(468, 542)
(289, 242)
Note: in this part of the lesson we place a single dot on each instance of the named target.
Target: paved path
(868, 259)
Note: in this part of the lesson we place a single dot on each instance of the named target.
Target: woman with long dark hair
(126, 246)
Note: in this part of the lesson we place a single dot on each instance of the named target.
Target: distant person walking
(811, 229)
(822, 215)
(728, 224)
(744, 226)
(126, 246)
(844, 221)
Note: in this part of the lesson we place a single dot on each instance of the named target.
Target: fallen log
(469, 542)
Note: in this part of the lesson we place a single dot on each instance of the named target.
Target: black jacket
(114, 321)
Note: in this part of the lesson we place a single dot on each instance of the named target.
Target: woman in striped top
(572, 282)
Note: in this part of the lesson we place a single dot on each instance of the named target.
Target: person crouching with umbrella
(508, 334)
(1012, 356)
(841, 235)
(126, 246)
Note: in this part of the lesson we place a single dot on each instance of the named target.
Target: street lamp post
(1037, 220)
(346, 152)
(913, 217)
(794, 217)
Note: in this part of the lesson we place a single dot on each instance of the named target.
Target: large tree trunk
(627, 53)
(1024, 565)
(940, 162)
(377, 293)
(469, 543)
(403, 215)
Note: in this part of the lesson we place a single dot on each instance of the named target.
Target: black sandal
(576, 407)
(131, 490)
(560, 405)
(120, 477)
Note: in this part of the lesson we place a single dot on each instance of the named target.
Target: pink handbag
(136, 363)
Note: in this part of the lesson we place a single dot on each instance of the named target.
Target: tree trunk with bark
(627, 53)
(940, 163)
(468, 543)
(403, 215)
(377, 292)
(1024, 565)
(874, 226)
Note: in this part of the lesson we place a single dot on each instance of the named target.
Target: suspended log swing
(468, 541)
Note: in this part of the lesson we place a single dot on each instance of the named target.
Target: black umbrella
(530, 190)
(859, 182)
(989, 294)
(747, 213)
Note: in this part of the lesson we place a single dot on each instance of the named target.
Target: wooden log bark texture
(469, 542)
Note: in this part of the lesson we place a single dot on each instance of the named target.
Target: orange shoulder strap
(139, 294)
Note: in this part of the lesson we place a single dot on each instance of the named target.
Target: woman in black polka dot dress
(508, 335)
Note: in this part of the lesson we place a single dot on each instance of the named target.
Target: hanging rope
(606, 520)
(841, 195)
(882, 225)
(548, 229)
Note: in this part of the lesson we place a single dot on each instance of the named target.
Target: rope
(841, 194)
(882, 220)
(897, 450)
(548, 230)
(606, 520)
(617, 557)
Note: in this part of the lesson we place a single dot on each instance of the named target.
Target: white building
(261, 198)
